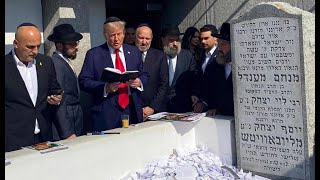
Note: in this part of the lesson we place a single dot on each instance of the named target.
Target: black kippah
(144, 24)
(27, 24)
(111, 19)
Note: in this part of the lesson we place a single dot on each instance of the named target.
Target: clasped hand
(54, 99)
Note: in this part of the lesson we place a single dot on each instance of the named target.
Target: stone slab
(274, 116)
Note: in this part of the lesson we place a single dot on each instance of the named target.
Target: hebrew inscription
(268, 91)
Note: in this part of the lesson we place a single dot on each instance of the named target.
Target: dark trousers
(37, 138)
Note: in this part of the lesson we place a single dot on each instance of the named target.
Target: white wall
(96, 19)
(17, 12)
(110, 157)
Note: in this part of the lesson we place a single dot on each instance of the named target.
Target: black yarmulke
(111, 19)
(26, 24)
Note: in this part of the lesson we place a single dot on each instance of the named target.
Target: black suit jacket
(220, 94)
(69, 113)
(106, 112)
(157, 67)
(205, 77)
(20, 113)
(183, 84)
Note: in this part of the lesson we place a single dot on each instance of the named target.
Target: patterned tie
(143, 56)
(123, 99)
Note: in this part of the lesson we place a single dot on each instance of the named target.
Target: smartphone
(59, 92)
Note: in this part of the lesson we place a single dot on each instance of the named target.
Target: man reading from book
(113, 99)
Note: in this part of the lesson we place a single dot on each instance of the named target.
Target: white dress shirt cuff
(140, 88)
(204, 103)
(105, 94)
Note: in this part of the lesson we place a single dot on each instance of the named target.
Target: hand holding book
(111, 75)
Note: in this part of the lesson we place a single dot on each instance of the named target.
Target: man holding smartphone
(30, 87)
(69, 116)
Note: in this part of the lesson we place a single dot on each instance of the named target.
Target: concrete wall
(97, 11)
(17, 12)
(113, 157)
(200, 12)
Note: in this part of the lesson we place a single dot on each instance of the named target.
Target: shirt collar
(211, 51)
(61, 55)
(112, 50)
(18, 61)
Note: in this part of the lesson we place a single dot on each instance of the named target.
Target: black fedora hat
(170, 30)
(224, 32)
(64, 33)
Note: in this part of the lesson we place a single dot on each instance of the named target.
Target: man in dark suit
(208, 57)
(182, 73)
(155, 63)
(220, 100)
(111, 100)
(69, 113)
(30, 84)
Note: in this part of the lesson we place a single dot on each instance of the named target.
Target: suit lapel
(41, 78)
(59, 58)
(127, 56)
(147, 60)
(107, 60)
(177, 72)
(213, 56)
(15, 74)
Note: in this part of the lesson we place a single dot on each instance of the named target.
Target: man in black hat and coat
(220, 99)
(69, 115)
(183, 71)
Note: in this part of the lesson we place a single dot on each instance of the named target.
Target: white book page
(113, 70)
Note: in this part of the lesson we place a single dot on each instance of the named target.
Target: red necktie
(123, 99)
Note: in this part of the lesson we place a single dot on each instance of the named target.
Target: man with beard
(181, 95)
(221, 99)
(155, 63)
(69, 114)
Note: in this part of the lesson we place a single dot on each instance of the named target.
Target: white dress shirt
(208, 56)
(29, 76)
(227, 69)
(172, 63)
(144, 54)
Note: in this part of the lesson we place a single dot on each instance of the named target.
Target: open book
(111, 75)
(46, 147)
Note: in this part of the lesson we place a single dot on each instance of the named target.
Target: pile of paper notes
(184, 117)
(6, 161)
(191, 164)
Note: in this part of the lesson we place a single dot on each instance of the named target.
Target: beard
(223, 58)
(171, 51)
(143, 48)
(68, 54)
